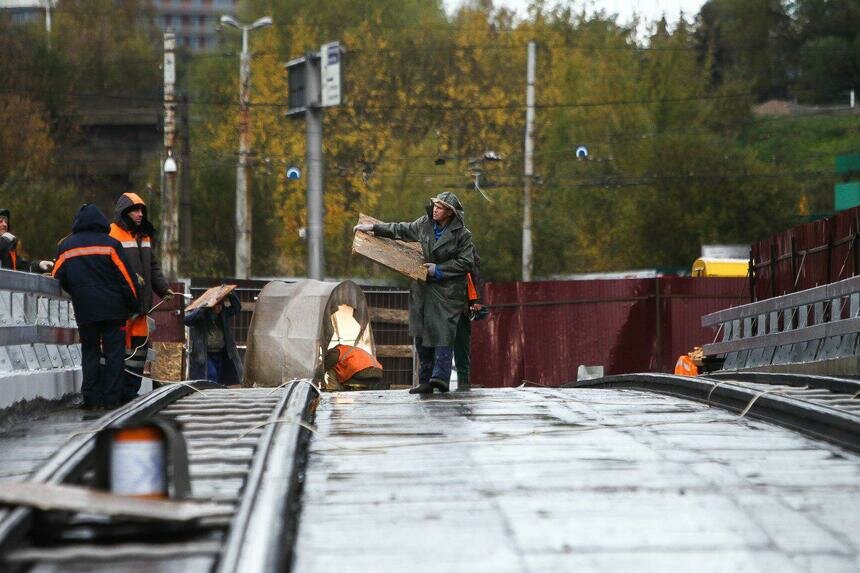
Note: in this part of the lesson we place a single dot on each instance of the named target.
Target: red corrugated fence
(808, 255)
(542, 331)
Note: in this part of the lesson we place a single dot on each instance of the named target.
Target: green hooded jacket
(436, 306)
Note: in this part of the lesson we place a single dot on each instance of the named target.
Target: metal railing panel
(818, 294)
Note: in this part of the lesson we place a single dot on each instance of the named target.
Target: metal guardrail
(39, 353)
(820, 323)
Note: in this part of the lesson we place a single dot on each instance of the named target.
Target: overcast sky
(650, 10)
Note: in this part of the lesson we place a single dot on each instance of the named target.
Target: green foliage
(42, 213)
(676, 157)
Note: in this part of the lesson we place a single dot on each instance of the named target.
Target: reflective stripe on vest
(96, 250)
(128, 239)
(14, 256)
(351, 361)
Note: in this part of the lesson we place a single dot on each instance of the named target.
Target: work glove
(46, 266)
(478, 312)
(431, 270)
(364, 228)
(12, 239)
(168, 295)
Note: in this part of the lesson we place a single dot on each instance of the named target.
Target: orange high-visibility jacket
(353, 360)
(686, 367)
(144, 266)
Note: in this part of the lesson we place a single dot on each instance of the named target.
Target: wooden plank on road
(77, 498)
(404, 258)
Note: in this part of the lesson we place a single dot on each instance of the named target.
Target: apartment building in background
(194, 21)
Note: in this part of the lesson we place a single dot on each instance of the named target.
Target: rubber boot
(439, 384)
(422, 388)
(463, 384)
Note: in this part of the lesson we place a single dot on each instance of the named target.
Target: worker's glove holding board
(10, 239)
(364, 228)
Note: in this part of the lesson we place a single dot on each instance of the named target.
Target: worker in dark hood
(94, 269)
(435, 305)
(9, 257)
(213, 353)
(132, 229)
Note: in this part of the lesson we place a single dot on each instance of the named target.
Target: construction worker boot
(463, 384)
(422, 388)
(439, 384)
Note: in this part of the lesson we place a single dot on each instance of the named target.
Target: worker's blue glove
(433, 272)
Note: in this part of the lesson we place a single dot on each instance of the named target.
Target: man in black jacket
(93, 268)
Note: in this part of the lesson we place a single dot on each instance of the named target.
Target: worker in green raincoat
(435, 305)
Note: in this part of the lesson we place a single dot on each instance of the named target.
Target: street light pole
(528, 168)
(244, 205)
(169, 203)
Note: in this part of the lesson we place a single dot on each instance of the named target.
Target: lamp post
(243, 190)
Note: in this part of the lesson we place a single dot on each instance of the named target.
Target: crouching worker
(353, 367)
(214, 355)
(93, 268)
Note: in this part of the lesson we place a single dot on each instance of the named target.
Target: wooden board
(404, 258)
(389, 315)
(75, 498)
(211, 297)
(394, 351)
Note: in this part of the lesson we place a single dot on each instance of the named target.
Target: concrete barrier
(40, 356)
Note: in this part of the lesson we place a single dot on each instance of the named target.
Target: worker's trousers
(433, 362)
(462, 348)
(135, 360)
(102, 350)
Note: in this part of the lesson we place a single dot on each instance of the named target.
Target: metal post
(169, 202)
(658, 325)
(528, 171)
(314, 135)
(185, 235)
(244, 207)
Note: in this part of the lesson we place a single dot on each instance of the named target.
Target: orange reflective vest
(14, 256)
(686, 367)
(352, 360)
(127, 238)
(470, 286)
